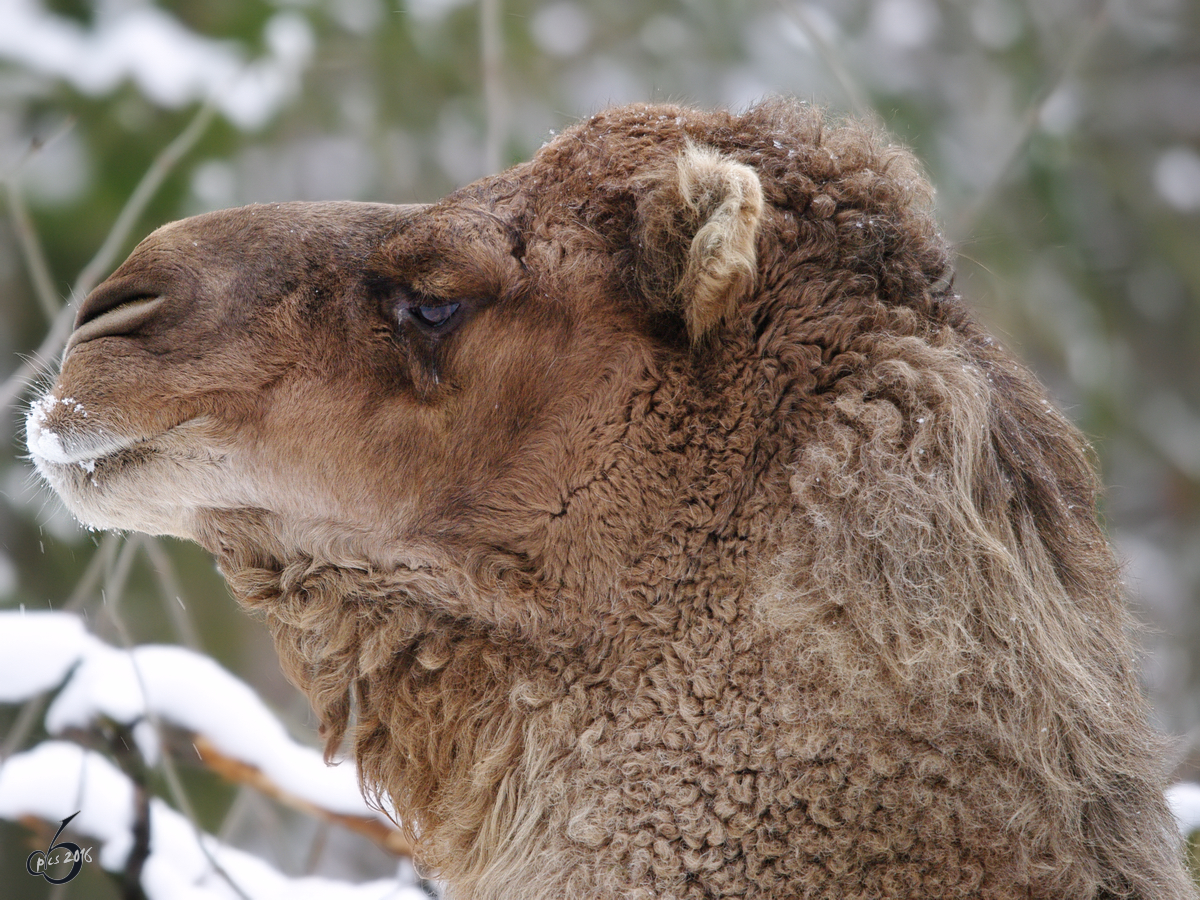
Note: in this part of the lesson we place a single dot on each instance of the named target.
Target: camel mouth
(107, 477)
(123, 318)
(58, 434)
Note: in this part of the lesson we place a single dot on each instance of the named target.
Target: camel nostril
(120, 305)
(110, 314)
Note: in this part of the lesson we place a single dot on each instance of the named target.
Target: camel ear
(696, 234)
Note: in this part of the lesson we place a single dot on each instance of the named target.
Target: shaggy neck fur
(938, 618)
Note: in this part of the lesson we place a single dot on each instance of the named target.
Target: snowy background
(1064, 139)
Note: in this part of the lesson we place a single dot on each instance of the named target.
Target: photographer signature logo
(40, 863)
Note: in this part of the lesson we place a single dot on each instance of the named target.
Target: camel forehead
(279, 227)
(279, 241)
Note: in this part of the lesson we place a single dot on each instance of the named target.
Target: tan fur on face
(712, 551)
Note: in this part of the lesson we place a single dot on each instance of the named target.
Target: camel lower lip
(48, 448)
(56, 446)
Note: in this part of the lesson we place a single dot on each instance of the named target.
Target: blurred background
(1063, 137)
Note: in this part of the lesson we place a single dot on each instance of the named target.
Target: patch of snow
(1184, 800)
(176, 685)
(290, 39)
(41, 441)
(56, 779)
(171, 65)
(38, 649)
(44, 442)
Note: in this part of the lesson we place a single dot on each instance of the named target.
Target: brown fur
(711, 551)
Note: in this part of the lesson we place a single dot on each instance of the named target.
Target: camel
(649, 520)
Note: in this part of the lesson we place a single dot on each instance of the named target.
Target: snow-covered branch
(57, 778)
(235, 734)
(170, 64)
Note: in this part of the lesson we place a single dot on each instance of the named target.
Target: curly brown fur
(713, 552)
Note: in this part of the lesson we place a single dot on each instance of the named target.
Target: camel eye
(435, 316)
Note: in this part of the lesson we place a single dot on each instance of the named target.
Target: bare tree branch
(797, 11)
(171, 591)
(31, 250)
(170, 156)
(1096, 26)
(238, 772)
(103, 260)
(491, 42)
